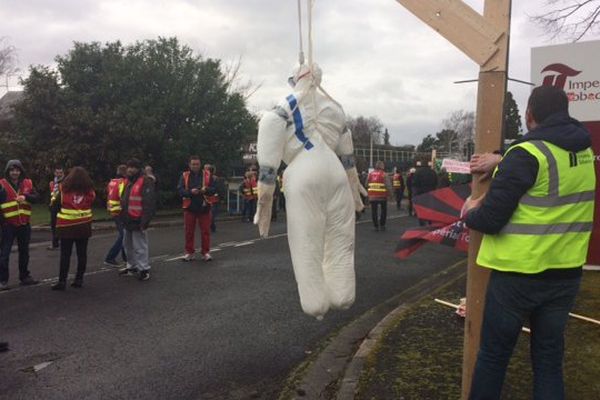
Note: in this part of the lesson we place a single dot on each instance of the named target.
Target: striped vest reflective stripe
(134, 206)
(16, 213)
(376, 185)
(551, 227)
(76, 208)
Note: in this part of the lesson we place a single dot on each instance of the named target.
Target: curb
(336, 370)
(351, 379)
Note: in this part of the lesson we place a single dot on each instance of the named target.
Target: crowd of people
(131, 199)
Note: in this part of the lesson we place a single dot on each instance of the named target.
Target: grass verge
(420, 356)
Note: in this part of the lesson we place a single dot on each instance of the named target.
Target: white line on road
(163, 257)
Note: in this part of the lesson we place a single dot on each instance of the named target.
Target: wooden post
(485, 39)
(488, 137)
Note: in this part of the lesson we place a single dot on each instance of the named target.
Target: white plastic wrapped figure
(308, 132)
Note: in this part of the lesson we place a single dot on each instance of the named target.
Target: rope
(301, 54)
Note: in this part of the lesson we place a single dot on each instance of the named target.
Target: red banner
(594, 253)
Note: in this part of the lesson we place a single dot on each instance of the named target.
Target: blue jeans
(249, 210)
(511, 300)
(117, 247)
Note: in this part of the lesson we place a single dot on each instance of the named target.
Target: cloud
(378, 59)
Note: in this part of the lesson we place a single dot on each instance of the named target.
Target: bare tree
(233, 79)
(463, 124)
(8, 59)
(363, 128)
(570, 19)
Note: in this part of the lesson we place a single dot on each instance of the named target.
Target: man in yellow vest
(537, 220)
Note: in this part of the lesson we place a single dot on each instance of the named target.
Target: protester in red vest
(249, 191)
(379, 190)
(114, 192)
(54, 205)
(16, 197)
(398, 186)
(74, 224)
(196, 188)
(138, 206)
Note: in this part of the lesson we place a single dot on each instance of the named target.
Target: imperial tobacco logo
(560, 78)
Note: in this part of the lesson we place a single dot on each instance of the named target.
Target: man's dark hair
(194, 158)
(134, 163)
(122, 170)
(58, 167)
(545, 101)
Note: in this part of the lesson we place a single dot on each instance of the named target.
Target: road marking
(163, 257)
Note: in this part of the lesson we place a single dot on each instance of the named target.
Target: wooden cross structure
(485, 39)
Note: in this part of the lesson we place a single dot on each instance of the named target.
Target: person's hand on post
(195, 191)
(484, 164)
(264, 208)
(20, 198)
(471, 204)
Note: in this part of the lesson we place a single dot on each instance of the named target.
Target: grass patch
(420, 356)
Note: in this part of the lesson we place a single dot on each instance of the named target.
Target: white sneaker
(207, 257)
(188, 257)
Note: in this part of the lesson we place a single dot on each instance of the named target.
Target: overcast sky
(377, 58)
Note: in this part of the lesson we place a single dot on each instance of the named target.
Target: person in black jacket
(138, 206)
(424, 180)
(15, 221)
(195, 187)
(543, 296)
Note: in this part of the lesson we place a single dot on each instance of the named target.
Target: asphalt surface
(229, 329)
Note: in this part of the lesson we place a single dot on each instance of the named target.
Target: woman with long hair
(74, 224)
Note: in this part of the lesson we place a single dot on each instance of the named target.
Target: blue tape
(298, 122)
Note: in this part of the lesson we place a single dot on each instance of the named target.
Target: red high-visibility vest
(397, 181)
(249, 189)
(16, 213)
(134, 206)
(376, 183)
(206, 181)
(75, 208)
(115, 190)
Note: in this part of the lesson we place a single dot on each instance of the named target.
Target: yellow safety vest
(552, 225)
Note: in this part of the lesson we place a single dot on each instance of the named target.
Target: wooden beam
(488, 137)
(461, 25)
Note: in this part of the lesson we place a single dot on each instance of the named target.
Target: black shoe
(77, 283)
(144, 276)
(3, 347)
(59, 286)
(382, 228)
(29, 281)
(376, 229)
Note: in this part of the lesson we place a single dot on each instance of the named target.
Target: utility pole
(485, 39)
(371, 150)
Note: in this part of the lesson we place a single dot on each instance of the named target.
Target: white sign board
(574, 67)
(456, 167)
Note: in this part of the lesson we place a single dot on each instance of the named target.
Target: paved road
(229, 329)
